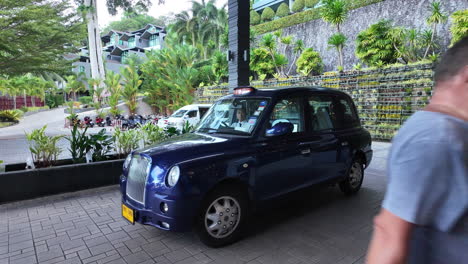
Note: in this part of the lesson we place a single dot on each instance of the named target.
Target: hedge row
(302, 17)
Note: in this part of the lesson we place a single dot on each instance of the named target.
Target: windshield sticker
(257, 113)
(263, 103)
(252, 120)
(260, 108)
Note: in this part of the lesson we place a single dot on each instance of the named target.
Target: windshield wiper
(232, 132)
(207, 130)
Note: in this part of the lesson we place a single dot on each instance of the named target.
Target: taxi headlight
(173, 176)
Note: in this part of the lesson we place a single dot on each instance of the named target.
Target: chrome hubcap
(222, 217)
(355, 175)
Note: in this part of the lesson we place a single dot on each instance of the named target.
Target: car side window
(289, 110)
(192, 113)
(343, 113)
(320, 108)
(203, 111)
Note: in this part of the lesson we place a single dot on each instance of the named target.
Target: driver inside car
(241, 124)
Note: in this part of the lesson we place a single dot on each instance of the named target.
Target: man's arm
(389, 244)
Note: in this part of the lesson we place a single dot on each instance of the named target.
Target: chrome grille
(137, 177)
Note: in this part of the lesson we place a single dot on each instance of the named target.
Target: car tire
(222, 219)
(354, 178)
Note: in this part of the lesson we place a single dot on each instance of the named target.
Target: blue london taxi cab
(251, 146)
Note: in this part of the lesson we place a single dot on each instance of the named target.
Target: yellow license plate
(128, 214)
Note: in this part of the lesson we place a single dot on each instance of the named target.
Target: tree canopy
(36, 34)
(133, 21)
(129, 5)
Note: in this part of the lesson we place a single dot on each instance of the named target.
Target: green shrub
(254, 18)
(53, 101)
(261, 62)
(459, 28)
(152, 134)
(126, 141)
(287, 21)
(311, 3)
(309, 62)
(43, 148)
(80, 144)
(283, 10)
(298, 6)
(85, 99)
(268, 14)
(301, 17)
(374, 46)
(10, 115)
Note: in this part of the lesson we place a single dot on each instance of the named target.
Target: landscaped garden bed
(92, 164)
(19, 183)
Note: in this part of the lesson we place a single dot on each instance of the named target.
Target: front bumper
(178, 218)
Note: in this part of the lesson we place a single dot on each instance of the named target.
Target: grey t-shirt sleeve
(422, 187)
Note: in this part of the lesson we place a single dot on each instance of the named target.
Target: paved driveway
(86, 227)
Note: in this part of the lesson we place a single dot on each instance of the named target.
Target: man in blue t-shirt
(424, 216)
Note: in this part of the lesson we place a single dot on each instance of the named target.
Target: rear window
(344, 114)
(320, 107)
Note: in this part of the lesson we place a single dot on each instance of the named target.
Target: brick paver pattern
(87, 227)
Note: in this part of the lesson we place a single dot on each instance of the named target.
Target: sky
(171, 6)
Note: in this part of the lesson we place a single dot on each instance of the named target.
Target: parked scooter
(100, 121)
(88, 122)
(108, 121)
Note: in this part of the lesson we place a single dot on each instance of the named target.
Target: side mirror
(185, 117)
(280, 129)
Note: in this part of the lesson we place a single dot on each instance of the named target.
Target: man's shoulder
(431, 127)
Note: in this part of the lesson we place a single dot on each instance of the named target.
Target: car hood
(191, 146)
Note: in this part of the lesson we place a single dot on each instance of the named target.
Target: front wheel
(222, 217)
(353, 181)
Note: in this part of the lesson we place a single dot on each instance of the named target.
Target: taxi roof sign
(243, 90)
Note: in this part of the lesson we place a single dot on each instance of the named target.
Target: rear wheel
(353, 181)
(222, 217)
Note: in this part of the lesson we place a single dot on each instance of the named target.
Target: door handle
(305, 151)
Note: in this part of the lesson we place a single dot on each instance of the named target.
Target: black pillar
(239, 50)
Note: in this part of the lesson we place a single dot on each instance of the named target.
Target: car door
(323, 163)
(281, 160)
(347, 130)
(192, 117)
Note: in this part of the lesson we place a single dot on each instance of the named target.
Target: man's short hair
(452, 61)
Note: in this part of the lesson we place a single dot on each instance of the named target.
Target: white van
(191, 113)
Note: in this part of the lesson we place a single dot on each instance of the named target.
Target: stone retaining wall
(385, 98)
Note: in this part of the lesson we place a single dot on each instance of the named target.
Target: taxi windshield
(237, 116)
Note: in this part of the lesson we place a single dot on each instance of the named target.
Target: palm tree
(437, 17)
(131, 84)
(396, 35)
(112, 82)
(338, 41)
(202, 27)
(170, 76)
(94, 83)
(74, 86)
(220, 66)
(335, 13)
(9, 87)
(298, 49)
